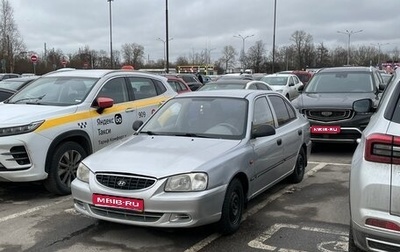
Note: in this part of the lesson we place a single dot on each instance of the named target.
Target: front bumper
(161, 209)
(22, 157)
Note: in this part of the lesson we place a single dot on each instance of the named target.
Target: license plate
(325, 129)
(118, 202)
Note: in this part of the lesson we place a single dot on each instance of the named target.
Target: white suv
(48, 127)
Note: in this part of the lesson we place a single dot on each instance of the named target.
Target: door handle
(129, 110)
(279, 141)
(300, 132)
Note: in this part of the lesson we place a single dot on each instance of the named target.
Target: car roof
(21, 79)
(346, 69)
(280, 75)
(99, 73)
(231, 93)
(229, 81)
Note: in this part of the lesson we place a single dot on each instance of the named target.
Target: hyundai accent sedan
(196, 161)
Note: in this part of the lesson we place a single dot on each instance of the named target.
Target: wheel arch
(242, 177)
(78, 136)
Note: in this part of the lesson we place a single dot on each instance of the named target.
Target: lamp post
(164, 42)
(379, 52)
(243, 49)
(273, 39)
(111, 49)
(349, 33)
(166, 39)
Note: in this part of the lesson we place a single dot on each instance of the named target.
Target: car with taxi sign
(50, 125)
(331, 98)
(198, 160)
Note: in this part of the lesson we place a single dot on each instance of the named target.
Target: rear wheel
(232, 208)
(299, 169)
(63, 166)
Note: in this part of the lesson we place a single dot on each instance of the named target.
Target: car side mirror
(262, 131)
(291, 84)
(301, 88)
(362, 106)
(103, 103)
(137, 124)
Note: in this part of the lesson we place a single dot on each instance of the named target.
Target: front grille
(124, 181)
(19, 155)
(328, 115)
(123, 214)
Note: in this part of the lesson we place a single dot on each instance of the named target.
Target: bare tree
(10, 40)
(228, 57)
(303, 45)
(256, 56)
(133, 54)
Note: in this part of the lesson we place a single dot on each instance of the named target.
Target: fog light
(179, 217)
(383, 224)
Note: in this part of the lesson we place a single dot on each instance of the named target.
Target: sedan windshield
(209, 117)
(341, 82)
(275, 81)
(58, 91)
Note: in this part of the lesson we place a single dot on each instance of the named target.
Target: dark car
(235, 84)
(330, 98)
(192, 81)
(5, 93)
(17, 83)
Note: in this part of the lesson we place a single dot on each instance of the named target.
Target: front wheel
(232, 208)
(299, 169)
(63, 166)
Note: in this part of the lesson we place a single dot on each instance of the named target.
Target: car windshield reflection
(223, 118)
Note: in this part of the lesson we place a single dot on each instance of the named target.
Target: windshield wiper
(192, 135)
(150, 133)
(31, 98)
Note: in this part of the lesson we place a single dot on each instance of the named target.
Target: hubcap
(68, 165)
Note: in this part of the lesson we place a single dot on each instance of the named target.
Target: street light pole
(273, 39)
(243, 48)
(166, 38)
(349, 33)
(164, 42)
(111, 48)
(379, 52)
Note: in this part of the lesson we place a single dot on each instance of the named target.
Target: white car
(49, 126)
(197, 160)
(286, 84)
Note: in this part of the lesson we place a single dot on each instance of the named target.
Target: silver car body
(287, 84)
(219, 153)
(375, 179)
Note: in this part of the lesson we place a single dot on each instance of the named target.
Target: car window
(175, 85)
(341, 82)
(262, 86)
(284, 112)
(262, 113)
(116, 90)
(278, 80)
(143, 87)
(252, 86)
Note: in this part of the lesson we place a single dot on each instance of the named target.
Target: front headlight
(83, 172)
(16, 130)
(187, 182)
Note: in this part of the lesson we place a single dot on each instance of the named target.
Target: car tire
(232, 208)
(352, 245)
(299, 169)
(63, 167)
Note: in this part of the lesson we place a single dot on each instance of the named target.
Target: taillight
(382, 148)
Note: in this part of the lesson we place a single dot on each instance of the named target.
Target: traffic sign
(34, 58)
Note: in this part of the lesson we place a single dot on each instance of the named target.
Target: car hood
(19, 114)
(328, 100)
(158, 156)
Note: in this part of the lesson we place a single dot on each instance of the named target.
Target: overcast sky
(199, 25)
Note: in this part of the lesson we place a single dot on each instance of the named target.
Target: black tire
(232, 209)
(63, 166)
(352, 245)
(298, 173)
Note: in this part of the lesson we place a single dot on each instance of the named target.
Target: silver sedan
(196, 161)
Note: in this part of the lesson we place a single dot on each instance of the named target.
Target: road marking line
(16, 215)
(201, 244)
(341, 164)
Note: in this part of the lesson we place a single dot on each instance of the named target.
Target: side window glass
(252, 86)
(116, 90)
(281, 110)
(262, 113)
(142, 87)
